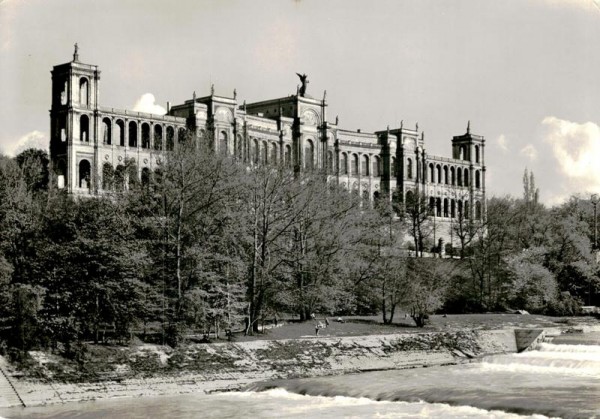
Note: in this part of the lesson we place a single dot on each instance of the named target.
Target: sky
(524, 72)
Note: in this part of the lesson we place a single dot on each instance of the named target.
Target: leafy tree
(427, 286)
(317, 245)
(184, 209)
(34, 167)
(533, 285)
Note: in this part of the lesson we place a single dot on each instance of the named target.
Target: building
(91, 145)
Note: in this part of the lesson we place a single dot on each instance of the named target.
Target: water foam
(552, 347)
(580, 360)
(340, 406)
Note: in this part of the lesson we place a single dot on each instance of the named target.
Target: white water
(275, 403)
(556, 380)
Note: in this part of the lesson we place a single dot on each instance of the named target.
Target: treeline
(208, 245)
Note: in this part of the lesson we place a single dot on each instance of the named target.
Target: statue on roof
(304, 81)
(76, 52)
(234, 94)
(212, 89)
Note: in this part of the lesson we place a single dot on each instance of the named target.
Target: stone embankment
(149, 370)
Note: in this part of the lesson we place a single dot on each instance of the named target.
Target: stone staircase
(8, 394)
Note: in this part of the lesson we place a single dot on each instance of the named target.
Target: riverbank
(150, 370)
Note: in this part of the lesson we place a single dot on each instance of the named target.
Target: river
(560, 379)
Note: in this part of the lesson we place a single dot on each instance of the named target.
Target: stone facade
(93, 149)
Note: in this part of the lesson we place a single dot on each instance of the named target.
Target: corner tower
(470, 148)
(74, 125)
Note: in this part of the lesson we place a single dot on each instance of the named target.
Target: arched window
(309, 155)
(264, 153)
(476, 154)
(354, 168)
(376, 166)
(438, 207)
(239, 147)
(453, 175)
(344, 164)
(460, 209)
(274, 154)
(85, 170)
(145, 135)
(365, 165)
(478, 210)
(61, 171)
(120, 132)
(170, 138)
(409, 199)
(432, 206)
(466, 209)
(223, 143)
(288, 155)
(453, 208)
(106, 132)
(84, 128)
(181, 135)
(132, 134)
(84, 91)
(478, 179)
(158, 137)
(466, 179)
(62, 128)
(255, 151)
(439, 173)
(445, 207)
(63, 94)
(446, 174)
(409, 168)
(431, 173)
(459, 176)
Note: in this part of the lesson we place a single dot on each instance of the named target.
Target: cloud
(147, 103)
(502, 142)
(530, 152)
(576, 149)
(33, 139)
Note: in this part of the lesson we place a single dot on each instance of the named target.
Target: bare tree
(418, 212)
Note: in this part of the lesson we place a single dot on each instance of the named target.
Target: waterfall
(578, 360)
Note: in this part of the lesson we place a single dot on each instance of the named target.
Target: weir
(527, 339)
(233, 366)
